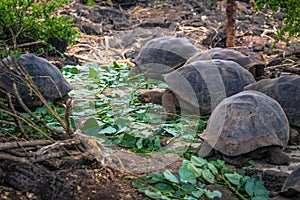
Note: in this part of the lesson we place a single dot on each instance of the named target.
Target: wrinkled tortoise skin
(291, 186)
(202, 85)
(162, 55)
(245, 122)
(256, 68)
(46, 77)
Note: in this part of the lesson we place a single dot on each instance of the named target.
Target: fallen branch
(6, 156)
(58, 145)
(33, 143)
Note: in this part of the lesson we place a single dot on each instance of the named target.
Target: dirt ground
(116, 31)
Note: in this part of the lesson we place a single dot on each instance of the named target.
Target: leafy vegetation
(193, 176)
(291, 9)
(31, 24)
(117, 117)
(120, 119)
(9, 130)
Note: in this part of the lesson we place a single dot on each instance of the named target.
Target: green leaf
(213, 194)
(72, 122)
(208, 176)
(140, 182)
(115, 65)
(260, 198)
(157, 143)
(249, 187)
(91, 127)
(171, 131)
(198, 193)
(74, 70)
(190, 198)
(155, 177)
(147, 144)
(187, 187)
(93, 73)
(185, 174)
(212, 168)
(128, 141)
(198, 161)
(108, 130)
(123, 122)
(139, 143)
(259, 189)
(164, 188)
(153, 194)
(234, 178)
(197, 171)
(170, 177)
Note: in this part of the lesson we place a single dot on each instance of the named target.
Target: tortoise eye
(142, 96)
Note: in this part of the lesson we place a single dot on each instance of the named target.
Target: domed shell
(285, 90)
(46, 77)
(233, 55)
(291, 186)
(163, 55)
(246, 121)
(204, 84)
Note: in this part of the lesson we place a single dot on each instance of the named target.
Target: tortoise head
(151, 96)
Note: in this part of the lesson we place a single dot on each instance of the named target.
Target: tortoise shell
(163, 55)
(245, 122)
(291, 186)
(257, 69)
(284, 89)
(204, 84)
(48, 79)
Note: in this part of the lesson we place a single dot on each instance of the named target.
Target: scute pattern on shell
(284, 89)
(291, 184)
(162, 55)
(204, 84)
(224, 54)
(246, 121)
(46, 77)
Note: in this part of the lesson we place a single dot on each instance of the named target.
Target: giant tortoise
(48, 79)
(247, 125)
(198, 87)
(286, 90)
(291, 186)
(256, 68)
(162, 55)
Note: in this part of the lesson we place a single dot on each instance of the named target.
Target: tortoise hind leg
(169, 103)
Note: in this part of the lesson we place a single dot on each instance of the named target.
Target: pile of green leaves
(26, 21)
(291, 20)
(192, 178)
(121, 120)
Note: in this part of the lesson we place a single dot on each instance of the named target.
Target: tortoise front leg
(169, 103)
(277, 157)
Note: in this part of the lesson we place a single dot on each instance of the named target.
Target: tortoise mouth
(144, 99)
